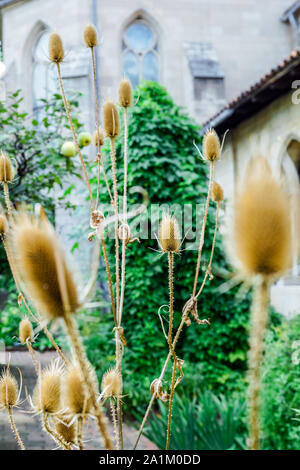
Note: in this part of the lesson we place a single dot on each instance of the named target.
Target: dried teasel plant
(7, 173)
(262, 248)
(111, 389)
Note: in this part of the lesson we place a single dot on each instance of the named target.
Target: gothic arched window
(140, 53)
(44, 81)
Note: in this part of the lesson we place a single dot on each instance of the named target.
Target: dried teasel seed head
(56, 49)
(98, 137)
(3, 226)
(40, 262)
(25, 331)
(47, 395)
(111, 384)
(7, 172)
(262, 225)
(169, 237)
(65, 429)
(75, 391)
(9, 390)
(90, 36)
(217, 193)
(125, 93)
(211, 146)
(111, 119)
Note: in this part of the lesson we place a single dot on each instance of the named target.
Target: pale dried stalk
(172, 350)
(55, 436)
(14, 428)
(73, 131)
(82, 361)
(115, 422)
(32, 354)
(7, 202)
(124, 215)
(110, 285)
(259, 318)
(201, 243)
(79, 432)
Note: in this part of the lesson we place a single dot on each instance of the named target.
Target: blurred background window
(140, 53)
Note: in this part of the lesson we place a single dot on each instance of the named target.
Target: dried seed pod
(211, 145)
(25, 331)
(111, 384)
(98, 137)
(75, 391)
(3, 225)
(262, 225)
(90, 36)
(65, 429)
(40, 262)
(217, 193)
(47, 393)
(6, 169)
(9, 390)
(56, 49)
(169, 237)
(111, 120)
(125, 94)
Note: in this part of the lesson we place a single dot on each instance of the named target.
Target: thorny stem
(111, 292)
(172, 350)
(79, 432)
(124, 215)
(115, 423)
(73, 131)
(32, 354)
(14, 428)
(259, 318)
(82, 361)
(55, 436)
(54, 344)
(7, 201)
(211, 174)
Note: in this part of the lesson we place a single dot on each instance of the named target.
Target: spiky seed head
(98, 137)
(125, 93)
(9, 390)
(111, 384)
(25, 331)
(65, 429)
(40, 262)
(169, 237)
(75, 391)
(217, 193)
(111, 119)
(47, 395)
(211, 146)
(7, 172)
(262, 225)
(56, 48)
(3, 225)
(90, 36)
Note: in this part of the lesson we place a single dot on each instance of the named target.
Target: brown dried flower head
(3, 225)
(40, 262)
(25, 331)
(211, 146)
(65, 429)
(111, 384)
(217, 193)
(56, 49)
(90, 36)
(48, 391)
(9, 390)
(169, 237)
(7, 172)
(98, 137)
(125, 93)
(75, 392)
(111, 119)
(262, 225)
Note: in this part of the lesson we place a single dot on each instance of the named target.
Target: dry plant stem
(82, 361)
(211, 174)
(171, 349)
(55, 436)
(7, 202)
(79, 432)
(32, 354)
(115, 422)
(111, 292)
(54, 344)
(14, 428)
(73, 131)
(124, 215)
(259, 318)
